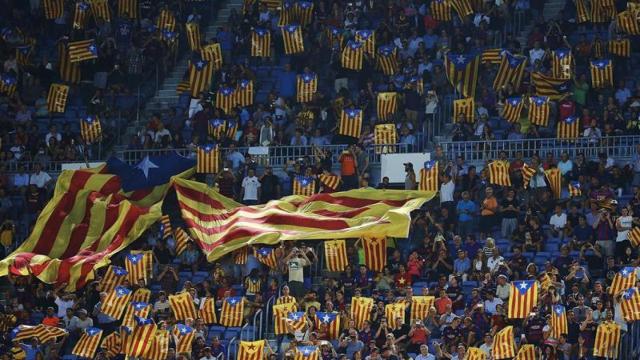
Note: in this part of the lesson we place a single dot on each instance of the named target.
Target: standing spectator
(488, 210)
(410, 177)
(466, 210)
(348, 167)
(250, 188)
(509, 211)
(296, 261)
(269, 186)
(604, 231)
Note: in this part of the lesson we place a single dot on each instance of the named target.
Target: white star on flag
(145, 165)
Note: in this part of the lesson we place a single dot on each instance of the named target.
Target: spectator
(251, 188)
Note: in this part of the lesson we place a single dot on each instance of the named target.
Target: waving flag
(159, 346)
(307, 86)
(68, 71)
(303, 11)
(57, 98)
(226, 98)
(287, 13)
(441, 10)
(213, 54)
(114, 276)
(512, 109)
(128, 9)
(261, 43)
(582, 11)
(101, 10)
(8, 84)
(539, 110)
(304, 185)
(361, 310)
(115, 302)
(241, 256)
(352, 55)
(634, 236)
(193, 35)
(624, 279)
(251, 350)
(41, 332)
(112, 344)
(207, 159)
(232, 313)
(335, 36)
(166, 230)
(166, 20)
(368, 38)
(385, 137)
(550, 86)
(492, 56)
(630, 304)
(375, 252)
(601, 73)
(524, 296)
(216, 128)
(292, 38)
(182, 240)
(335, 254)
(387, 59)
(569, 128)
(141, 338)
(555, 181)
(464, 110)
(561, 63)
(331, 320)
(420, 306)
(23, 54)
(350, 122)
(474, 353)
(307, 352)
(136, 308)
(527, 174)
(504, 346)
(628, 22)
(297, 320)
(607, 342)
(207, 310)
(88, 343)
(184, 336)
(462, 7)
(620, 47)
(526, 352)
(499, 173)
(138, 266)
(267, 256)
(511, 71)
(575, 189)
(182, 306)
(90, 129)
(387, 105)
(559, 321)
(394, 311)
(329, 181)
(462, 72)
(232, 130)
(429, 180)
(53, 9)
(602, 11)
(280, 316)
(200, 73)
(244, 93)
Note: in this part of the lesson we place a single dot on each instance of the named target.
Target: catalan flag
(429, 177)
(628, 22)
(583, 14)
(601, 73)
(241, 256)
(329, 181)
(115, 302)
(166, 21)
(244, 92)
(559, 323)
(512, 109)
(232, 313)
(387, 59)
(499, 173)
(136, 308)
(82, 50)
(213, 54)
(539, 110)
(361, 310)
(193, 35)
(207, 159)
(561, 63)
(159, 348)
(88, 343)
(112, 344)
(385, 137)
(420, 306)
(350, 122)
(251, 350)
(624, 279)
(575, 189)
(462, 7)
(526, 352)
(527, 174)
(280, 314)
(41, 332)
(307, 352)
(287, 14)
(138, 266)
(549, 86)
(375, 252)
(297, 320)
(304, 185)
(68, 71)
(57, 98)
(441, 10)
(511, 71)
(200, 73)
(492, 56)
(292, 38)
(601, 12)
(524, 296)
(100, 10)
(182, 240)
(23, 54)
(207, 310)
(335, 254)
(81, 15)
(90, 129)
(114, 276)
(8, 84)
(634, 236)
(462, 72)
(216, 128)
(415, 83)
(620, 47)
(331, 320)
(630, 304)
(307, 86)
(607, 342)
(474, 353)
(184, 336)
(368, 39)
(387, 105)
(352, 55)
(394, 311)
(335, 36)
(303, 11)
(464, 110)
(231, 129)
(182, 306)
(226, 98)
(141, 295)
(554, 177)
(166, 229)
(128, 9)
(139, 340)
(569, 128)
(53, 9)
(261, 43)
(504, 345)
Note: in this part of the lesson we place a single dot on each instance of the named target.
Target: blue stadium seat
(470, 283)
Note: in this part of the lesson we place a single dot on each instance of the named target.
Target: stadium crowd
(465, 247)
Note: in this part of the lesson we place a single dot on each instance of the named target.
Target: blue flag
(150, 171)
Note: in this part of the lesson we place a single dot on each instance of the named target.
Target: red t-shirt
(567, 108)
(348, 165)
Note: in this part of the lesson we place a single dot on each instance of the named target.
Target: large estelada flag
(335, 254)
(352, 56)
(499, 173)
(57, 98)
(387, 59)
(251, 350)
(292, 39)
(441, 10)
(93, 214)
(630, 304)
(601, 73)
(462, 72)
(350, 122)
(526, 352)
(607, 342)
(116, 302)
(512, 109)
(504, 345)
(207, 310)
(306, 87)
(624, 279)
(492, 56)
(539, 110)
(139, 340)
(386, 105)
(375, 252)
(267, 256)
(136, 308)
(112, 344)
(361, 310)
(303, 11)
(524, 296)
(511, 71)
(183, 337)
(261, 43)
(307, 352)
(200, 73)
(182, 306)
(331, 320)
(128, 9)
(368, 38)
(550, 86)
(166, 20)
(329, 181)
(561, 63)
(213, 53)
(462, 7)
(139, 266)
(232, 312)
(114, 276)
(582, 11)
(280, 313)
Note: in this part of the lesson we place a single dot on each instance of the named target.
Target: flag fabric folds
(601, 73)
(101, 10)
(350, 122)
(569, 128)
(114, 276)
(620, 47)
(184, 336)
(68, 71)
(112, 344)
(464, 110)
(361, 310)
(368, 39)
(213, 54)
(441, 10)
(559, 323)
(634, 236)
(303, 185)
(387, 105)
(226, 98)
(512, 109)
(335, 254)
(574, 188)
(511, 71)
(420, 306)
(57, 98)
(462, 72)
(527, 174)
(628, 22)
(115, 303)
(166, 229)
(296, 320)
(53, 8)
(462, 7)
(394, 311)
(499, 173)
(207, 310)
(251, 350)
(200, 73)
(429, 177)
(182, 306)
(504, 346)
(492, 56)
(307, 86)
(267, 256)
(375, 252)
(630, 304)
(159, 346)
(140, 338)
(539, 110)
(554, 177)
(352, 55)
(182, 239)
(583, 14)
(524, 296)
(526, 352)
(561, 63)
(136, 308)
(331, 320)
(292, 38)
(90, 129)
(387, 59)
(550, 86)
(280, 314)
(329, 181)
(138, 266)
(385, 137)
(88, 343)
(307, 352)
(193, 35)
(303, 11)
(207, 159)
(261, 43)
(128, 9)
(232, 313)
(624, 279)
(23, 54)
(607, 342)
(81, 15)
(166, 21)
(474, 353)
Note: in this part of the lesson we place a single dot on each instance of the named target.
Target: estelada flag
(136, 308)
(387, 59)
(141, 295)
(474, 353)
(207, 159)
(183, 338)
(361, 310)
(82, 50)
(303, 185)
(561, 63)
(601, 73)
(429, 177)
(244, 92)
(226, 98)
(331, 320)
(200, 73)
(464, 110)
(582, 11)
(628, 22)
(138, 266)
(524, 296)
(602, 11)
(624, 279)
(385, 137)
(329, 181)
(375, 252)
(193, 35)
(280, 313)
(307, 352)
(182, 240)
(394, 311)
(261, 43)
(231, 129)
(166, 20)
(88, 343)
(112, 344)
(128, 9)
(554, 177)
(569, 128)
(101, 10)
(350, 122)
(634, 236)
(550, 86)
(492, 56)
(526, 352)
(297, 320)
(420, 306)
(267, 256)
(306, 87)
(232, 313)
(607, 342)
(115, 302)
(368, 38)
(57, 98)
(68, 71)
(139, 341)
(114, 276)
(251, 350)
(81, 15)
(335, 254)
(527, 174)
(539, 110)
(182, 306)
(53, 8)
(240, 256)
(166, 229)
(512, 109)
(335, 36)
(504, 345)
(23, 54)
(303, 11)
(462, 72)
(216, 128)
(90, 129)
(292, 38)
(8, 84)
(462, 7)
(511, 71)
(499, 173)
(559, 323)
(441, 10)
(387, 105)
(159, 346)
(620, 47)
(630, 304)
(213, 54)
(352, 55)
(207, 310)
(575, 189)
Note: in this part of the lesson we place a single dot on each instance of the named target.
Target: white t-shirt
(490, 306)
(39, 179)
(250, 186)
(559, 221)
(626, 222)
(492, 262)
(63, 305)
(446, 191)
(295, 266)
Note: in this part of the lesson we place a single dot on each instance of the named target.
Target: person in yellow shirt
(7, 232)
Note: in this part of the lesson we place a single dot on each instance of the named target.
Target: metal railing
(617, 147)
(233, 343)
(257, 324)
(630, 342)
(268, 316)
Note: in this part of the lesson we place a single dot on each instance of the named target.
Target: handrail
(255, 316)
(268, 310)
(231, 343)
(242, 331)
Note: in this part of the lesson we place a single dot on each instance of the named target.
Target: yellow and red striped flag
(547, 85)
(630, 304)
(512, 109)
(193, 35)
(57, 98)
(128, 9)
(375, 252)
(307, 352)
(620, 47)
(387, 59)
(559, 323)
(183, 337)
(350, 122)
(562, 63)
(207, 159)
(361, 310)
(115, 302)
(136, 308)
(165, 226)
(462, 72)
(213, 54)
(216, 128)
(292, 38)
(607, 342)
(429, 180)
(23, 54)
(280, 313)
(499, 173)
(394, 311)
(492, 56)
(329, 181)
(53, 8)
(244, 93)
(241, 256)
(634, 236)
(527, 174)
(602, 12)
(166, 21)
(251, 350)
(462, 7)
(112, 344)
(267, 256)
(474, 353)
(575, 189)
(182, 240)
(100, 10)
(554, 177)
(601, 73)
(287, 14)
(200, 73)
(335, 254)
(232, 313)
(114, 276)
(387, 105)
(138, 266)
(159, 346)
(81, 15)
(420, 306)
(464, 110)
(138, 341)
(231, 129)
(68, 71)
(511, 71)
(539, 110)
(524, 296)
(141, 295)
(628, 22)
(88, 343)
(182, 306)
(583, 14)
(297, 320)
(90, 129)
(504, 345)
(303, 185)
(8, 84)
(331, 320)
(82, 50)
(368, 39)
(303, 11)
(624, 279)
(526, 352)
(207, 310)
(226, 98)
(569, 128)
(385, 137)
(352, 55)
(306, 87)
(261, 43)
(335, 36)
(441, 10)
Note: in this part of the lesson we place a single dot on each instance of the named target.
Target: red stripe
(199, 196)
(344, 214)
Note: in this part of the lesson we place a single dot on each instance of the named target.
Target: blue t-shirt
(470, 208)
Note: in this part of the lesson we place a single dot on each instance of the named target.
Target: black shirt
(269, 187)
(163, 255)
(509, 214)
